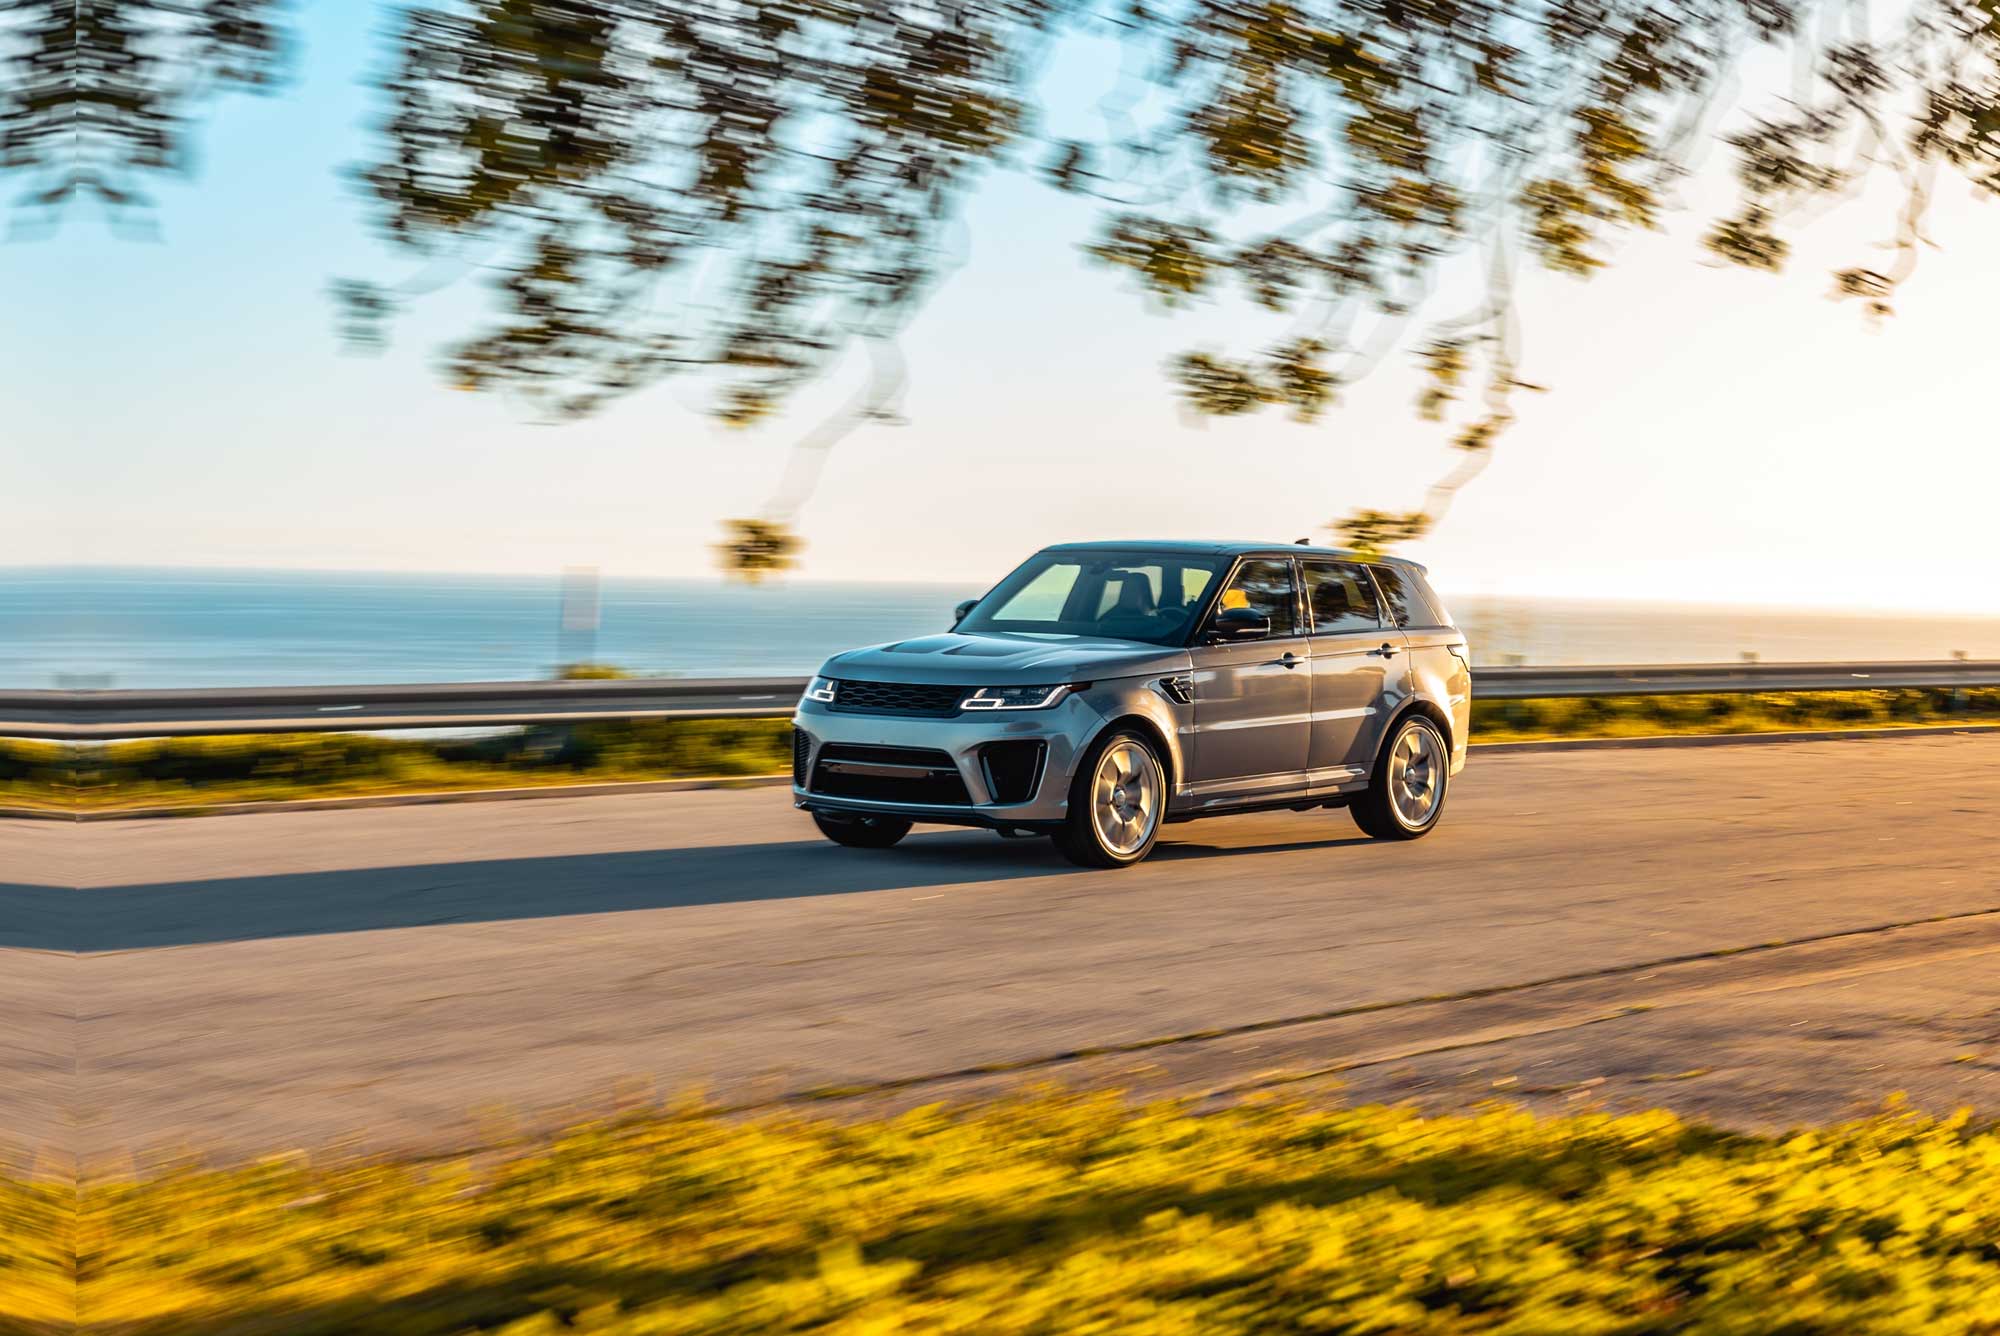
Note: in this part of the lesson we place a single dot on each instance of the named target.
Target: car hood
(1004, 659)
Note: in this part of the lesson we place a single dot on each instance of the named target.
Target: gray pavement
(1760, 935)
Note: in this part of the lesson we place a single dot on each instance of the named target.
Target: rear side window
(1340, 597)
(1404, 593)
(1440, 614)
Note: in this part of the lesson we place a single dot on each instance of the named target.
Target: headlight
(821, 689)
(1014, 698)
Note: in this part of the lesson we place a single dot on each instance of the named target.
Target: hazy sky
(1711, 435)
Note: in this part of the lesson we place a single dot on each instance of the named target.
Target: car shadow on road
(233, 909)
(1180, 849)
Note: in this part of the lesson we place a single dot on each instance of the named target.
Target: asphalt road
(1762, 934)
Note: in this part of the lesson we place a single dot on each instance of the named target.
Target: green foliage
(1373, 532)
(1729, 712)
(802, 153)
(1056, 1213)
(754, 550)
(1327, 155)
(37, 1256)
(1291, 373)
(95, 92)
(229, 769)
(592, 672)
(748, 188)
(198, 771)
(35, 771)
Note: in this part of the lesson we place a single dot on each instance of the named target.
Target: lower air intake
(889, 774)
(1013, 769)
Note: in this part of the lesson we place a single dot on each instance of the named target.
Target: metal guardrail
(97, 716)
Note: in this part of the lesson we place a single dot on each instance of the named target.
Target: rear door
(1252, 699)
(1359, 672)
(1436, 669)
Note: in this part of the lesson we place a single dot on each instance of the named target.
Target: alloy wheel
(1127, 792)
(1416, 776)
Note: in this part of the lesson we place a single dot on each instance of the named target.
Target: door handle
(1387, 651)
(1291, 660)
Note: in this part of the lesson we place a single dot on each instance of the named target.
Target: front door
(1252, 699)
(1360, 673)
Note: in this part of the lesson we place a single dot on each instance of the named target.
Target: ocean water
(178, 628)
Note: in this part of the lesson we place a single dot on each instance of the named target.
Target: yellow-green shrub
(1074, 1213)
(1727, 712)
(37, 1257)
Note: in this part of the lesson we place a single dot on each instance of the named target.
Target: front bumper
(1064, 729)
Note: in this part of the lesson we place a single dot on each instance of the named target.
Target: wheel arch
(1429, 709)
(1139, 722)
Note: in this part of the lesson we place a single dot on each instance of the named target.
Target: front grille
(913, 698)
(802, 745)
(1013, 768)
(889, 774)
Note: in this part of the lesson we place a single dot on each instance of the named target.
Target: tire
(1117, 803)
(1406, 794)
(861, 832)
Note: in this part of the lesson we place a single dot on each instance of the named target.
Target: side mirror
(958, 613)
(1233, 624)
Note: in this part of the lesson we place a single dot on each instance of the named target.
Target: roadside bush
(1062, 1213)
(279, 758)
(222, 769)
(663, 747)
(37, 1257)
(1728, 712)
(210, 770)
(32, 764)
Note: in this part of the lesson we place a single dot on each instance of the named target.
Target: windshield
(1145, 596)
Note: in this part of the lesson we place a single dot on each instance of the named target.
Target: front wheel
(861, 832)
(1115, 803)
(1406, 793)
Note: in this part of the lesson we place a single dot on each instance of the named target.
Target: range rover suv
(1105, 689)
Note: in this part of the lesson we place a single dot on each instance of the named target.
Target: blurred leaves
(753, 550)
(741, 188)
(1291, 374)
(812, 148)
(1373, 532)
(790, 166)
(94, 94)
(746, 188)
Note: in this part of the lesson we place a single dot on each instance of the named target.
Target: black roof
(1232, 550)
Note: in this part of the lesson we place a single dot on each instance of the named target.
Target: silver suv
(1104, 689)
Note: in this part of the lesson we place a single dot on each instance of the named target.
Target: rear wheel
(1406, 793)
(1116, 802)
(861, 832)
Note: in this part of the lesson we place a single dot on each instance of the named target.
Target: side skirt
(1294, 804)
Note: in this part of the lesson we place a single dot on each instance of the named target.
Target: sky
(1708, 435)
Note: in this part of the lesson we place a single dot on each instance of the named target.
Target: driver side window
(1267, 587)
